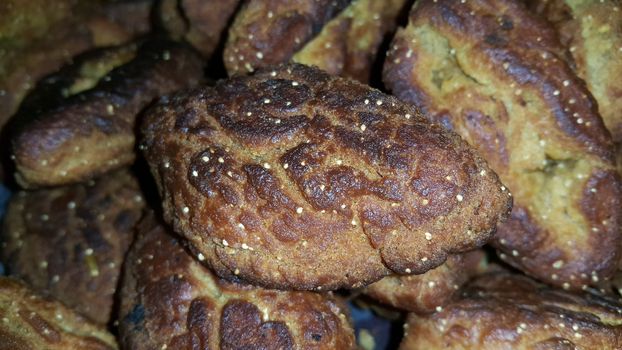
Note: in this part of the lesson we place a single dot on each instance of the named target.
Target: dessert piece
(508, 311)
(29, 321)
(171, 301)
(301, 180)
(92, 131)
(70, 241)
(495, 73)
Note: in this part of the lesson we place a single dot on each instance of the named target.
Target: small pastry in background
(340, 37)
(171, 301)
(430, 291)
(301, 180)
(92, 131)
(502, 310)
(496, 74)
(29, 321)
(70, 242)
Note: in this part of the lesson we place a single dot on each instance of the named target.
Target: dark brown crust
(70, 242)
(28, 321)
(303, 180)
(264, 33)
(93, 132)
(509, 311)
(592, 33)
(200, 22)
(497, 75)
(432, 290)
(171, 301)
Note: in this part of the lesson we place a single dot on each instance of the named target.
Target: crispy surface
(32, 322)
(340, 37)
(200, 22)
(70, 241)
(592, 32)
(169, 300)
(303, 180)
(494, 73)
(425, 293)
(37, 37)
(92, 132)
(507, 311)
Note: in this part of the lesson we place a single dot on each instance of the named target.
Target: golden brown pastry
(70, 242)
(432, 290)
(298, 179)
(28, 321)
(200, 22)
(592, 33)
(92, 131)
(494, 73)
(171, 301)
(341, 37)
(504, 311)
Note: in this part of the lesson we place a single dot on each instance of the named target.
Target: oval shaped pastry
(430, 291)
(29, 321)
(508, 311)
(70, 241)
(341, 37)
(171, 301)
(301, 180)
(496, 74)
(92, 131)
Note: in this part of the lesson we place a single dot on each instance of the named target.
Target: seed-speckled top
(292, 178)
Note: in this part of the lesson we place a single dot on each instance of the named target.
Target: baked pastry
(301, 180)
(508, 311)
(31, 322)
(432, 290)
(495, 74)
(341, 37)
(200, 22)
(92, 131)
(70, 241)
(39, 36)
(592, 33)
(170, 301)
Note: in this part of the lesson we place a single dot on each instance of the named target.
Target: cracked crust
(200, 22)
(340, 37)
(495, 73)
(169, 300)
(507, 311)
(592, 33)
(69, 242)
(427, 292)
(92, 132)
(303, 180)
(28, 321)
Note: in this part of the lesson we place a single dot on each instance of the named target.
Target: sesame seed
(424, 259)
(201, 257)
(299, 210)
(195, 173)
(366, 101)
(343, 206)
(515, 253)
(502, 188)
(353, 222)
(225, 243)
(71, 205)
(88, 252)
(408, 270)
(241, 225)
(459, 198)
(379, 103)
(221, 160)
(431, 284)
(339, 161)
(363, 127)
(110, 109)
(266, 101)
(266, 165)
(45, 217)
(273, 74)
(558, 264)
(428, 236)
(439, 308)
(566, 82)
(236, 272)
(244, 246)
(295, 83)
(205, 159)
(407, 116)
(259, 55)
(186, 210)
(556, 92)
(285, 166)
(482, 173)
(425, 201)
(566, 285)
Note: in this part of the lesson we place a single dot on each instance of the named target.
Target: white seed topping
(299, 210)
(201, 257)
(428, 236)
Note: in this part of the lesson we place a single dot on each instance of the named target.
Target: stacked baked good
(253, 211)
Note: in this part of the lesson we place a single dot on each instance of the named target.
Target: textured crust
(70, 242)
(169, 300)
(28, 321)
(92, 132)
(200, 22)
(592, 33)
(341, 42)
(506, 311)
(432, 290)
(303, 180)
(493, 72)
(39, 36)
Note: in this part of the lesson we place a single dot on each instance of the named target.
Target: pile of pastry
(229, 174)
